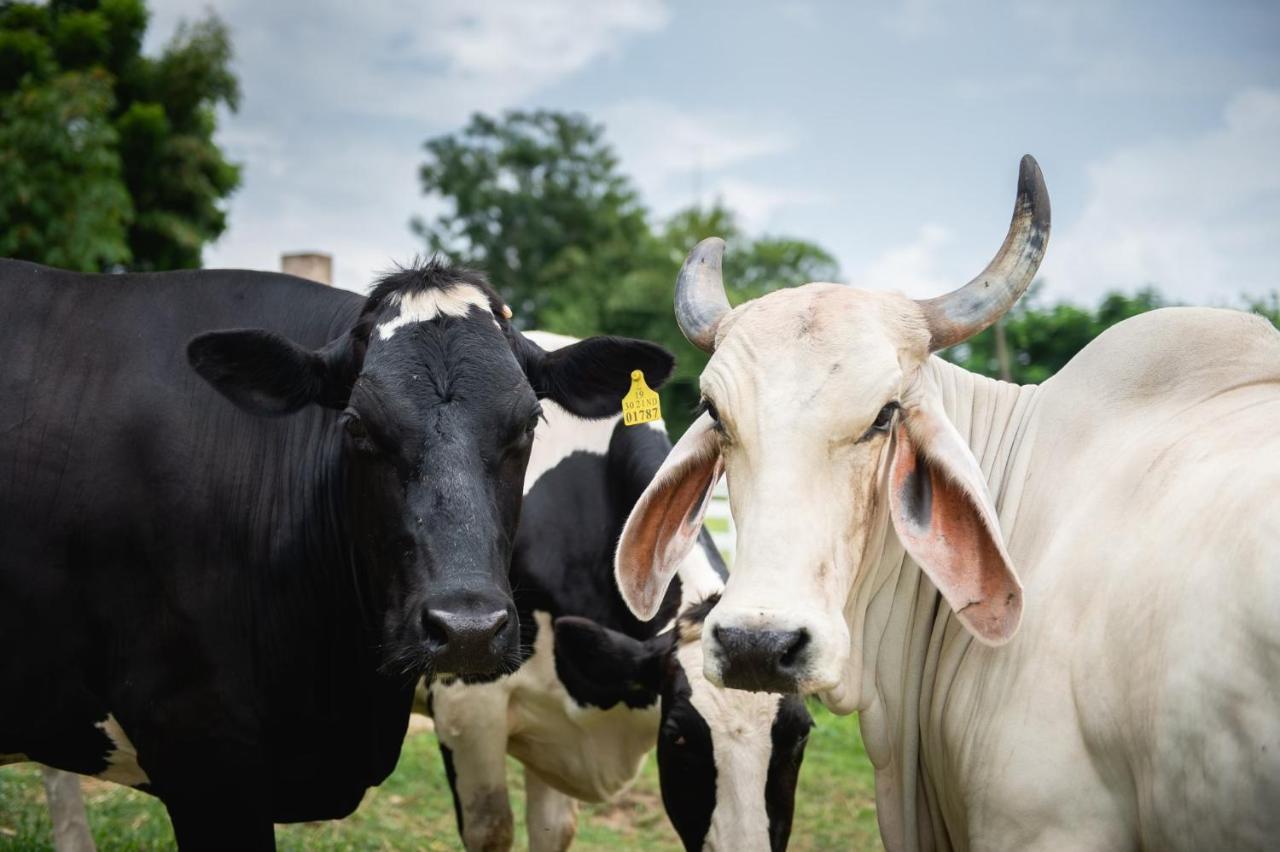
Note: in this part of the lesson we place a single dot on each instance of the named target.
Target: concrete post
(316, 265)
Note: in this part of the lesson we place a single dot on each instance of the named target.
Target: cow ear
(665, 522)
(589, 378)
(604, 667)
(947, 523)
(267, 374)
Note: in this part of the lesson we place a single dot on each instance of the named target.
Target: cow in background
(600, 687)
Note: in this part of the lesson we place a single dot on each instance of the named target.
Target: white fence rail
(720, 522)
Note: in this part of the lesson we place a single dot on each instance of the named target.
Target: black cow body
(194, 597)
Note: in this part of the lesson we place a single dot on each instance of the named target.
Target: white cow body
(1137, 707)
(1056, 608)
(1138, 704)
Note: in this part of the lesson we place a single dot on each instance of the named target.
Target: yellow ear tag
(641, 404)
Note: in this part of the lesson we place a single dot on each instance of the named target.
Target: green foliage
(72, 73)
(1042, 337)
(537, 200)
(1266, 306)
(62, 201)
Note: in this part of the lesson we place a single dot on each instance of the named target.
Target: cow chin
(769, 650)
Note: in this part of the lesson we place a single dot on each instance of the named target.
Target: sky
(887, 132)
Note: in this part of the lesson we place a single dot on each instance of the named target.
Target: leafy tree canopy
(107, 156)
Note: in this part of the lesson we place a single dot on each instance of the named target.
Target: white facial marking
(741, 725)
(455, 301)
(122, 762)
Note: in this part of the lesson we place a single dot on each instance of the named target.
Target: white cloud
(911, 268)
(339, 96)
(1198, 215)
(678, 156)
(757, 204)
(434, 61)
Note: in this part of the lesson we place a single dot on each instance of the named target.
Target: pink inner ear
(664, 524)
(947, 533)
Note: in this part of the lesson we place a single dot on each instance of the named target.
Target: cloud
(911, 268)
(1197, 216)
(678, 156)
(436, 61)
(339, 96)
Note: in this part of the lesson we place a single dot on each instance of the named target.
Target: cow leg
(550, 816)
(471, 726)
(66, 811)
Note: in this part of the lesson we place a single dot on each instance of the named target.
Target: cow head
(433, 397)
(728, 760)
(820, 412)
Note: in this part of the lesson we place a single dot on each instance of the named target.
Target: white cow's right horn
(700, 299)
(962, 313)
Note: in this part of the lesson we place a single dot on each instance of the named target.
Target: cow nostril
(791, 654)
(435, 629)
(499, 624)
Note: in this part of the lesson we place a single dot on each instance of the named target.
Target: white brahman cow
(899, 518)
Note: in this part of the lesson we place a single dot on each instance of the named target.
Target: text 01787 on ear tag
(641, 404)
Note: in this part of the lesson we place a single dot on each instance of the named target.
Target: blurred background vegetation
(107, 157)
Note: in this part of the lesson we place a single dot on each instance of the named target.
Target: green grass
(413, 810)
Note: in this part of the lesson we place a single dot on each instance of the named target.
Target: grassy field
(412, 810)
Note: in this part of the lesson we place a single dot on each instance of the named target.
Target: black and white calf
(600, 687)
(218, 547)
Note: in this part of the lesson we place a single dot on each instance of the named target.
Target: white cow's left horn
(961, 314)
(700, 299)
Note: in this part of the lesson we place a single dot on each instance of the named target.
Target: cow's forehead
(818, 343)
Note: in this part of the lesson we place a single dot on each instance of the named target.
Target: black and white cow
(601, 687)
(218, 547)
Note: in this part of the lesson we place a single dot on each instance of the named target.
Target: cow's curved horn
(961, 314)
(700, 299)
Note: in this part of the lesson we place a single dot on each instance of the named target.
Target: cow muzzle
(764, 651)
(478, 640)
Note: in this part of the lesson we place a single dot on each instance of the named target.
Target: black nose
(466, 643)
(762, 660)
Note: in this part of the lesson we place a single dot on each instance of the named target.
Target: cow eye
(884, 418)
(356, 430)
(709, 408)
(532, 425)
(354, 425)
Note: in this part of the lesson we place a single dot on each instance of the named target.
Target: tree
(537, 201)
(107, 156)
(62, 199)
